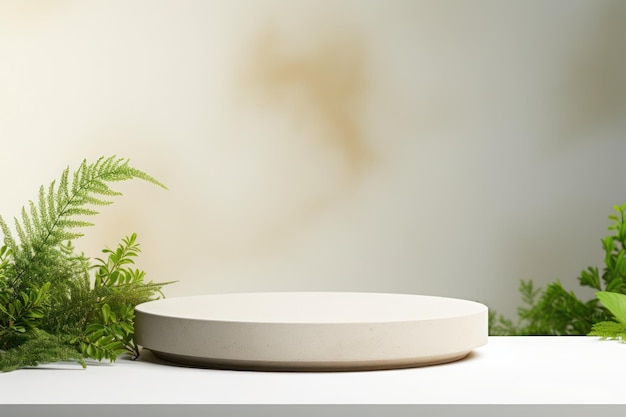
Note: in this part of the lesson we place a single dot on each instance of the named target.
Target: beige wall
(434, 147)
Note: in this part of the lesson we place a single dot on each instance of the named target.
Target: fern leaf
(39, 348)
(29, 229)
(609, 330)
(53, 221)
(47, 203)
(34, 215)
(80, 211)
(23, 238)
(9, 241)
(62, 193)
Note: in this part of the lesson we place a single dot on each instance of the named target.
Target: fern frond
(53, 220)
(609, 330)
(38, 348)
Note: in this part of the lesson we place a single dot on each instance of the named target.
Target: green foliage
(51, 307)
(616, 304)
(556, 311)
(118, 287)
(37, 347)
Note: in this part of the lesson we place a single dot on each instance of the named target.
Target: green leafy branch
(556, 311)
(50, 307)
(118, 286)
(61, 209)
(22, 313)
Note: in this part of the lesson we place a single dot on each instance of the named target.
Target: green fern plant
(557, 311)
(51, 307)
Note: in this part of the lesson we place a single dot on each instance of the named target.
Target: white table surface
(508, 370)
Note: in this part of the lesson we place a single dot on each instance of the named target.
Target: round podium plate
(311, 331)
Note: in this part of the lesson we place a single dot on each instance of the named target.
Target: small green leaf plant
(55, 304)
(557, 311)
(613, 330)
